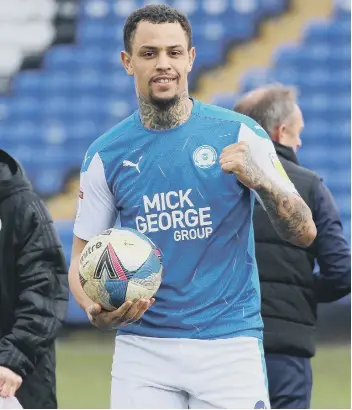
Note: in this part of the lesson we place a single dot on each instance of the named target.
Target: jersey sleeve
(264, 154)
(96, 210)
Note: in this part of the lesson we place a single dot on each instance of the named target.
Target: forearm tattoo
(289, 214)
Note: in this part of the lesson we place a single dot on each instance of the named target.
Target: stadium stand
(53, 113)
(62, 84)
(319, 66)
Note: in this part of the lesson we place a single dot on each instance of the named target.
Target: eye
(149, 54)
(175, 53)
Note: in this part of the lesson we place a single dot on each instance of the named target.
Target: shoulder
(307, 182)
(31, 214)
(307, 174)
(218, 113)
(24, 198)
(244, 124)
(101, 145)
(32, 204)
(311, 174)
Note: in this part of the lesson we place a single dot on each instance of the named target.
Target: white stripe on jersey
(96, 204)
(263, 152)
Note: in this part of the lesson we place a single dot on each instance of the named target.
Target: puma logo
(127, 163)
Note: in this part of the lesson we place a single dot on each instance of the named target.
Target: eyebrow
(155, 48)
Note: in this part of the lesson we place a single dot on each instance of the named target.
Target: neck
(159, 119)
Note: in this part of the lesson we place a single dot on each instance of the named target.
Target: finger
(6, 388)
(237, 146)
(228, 153)
(140, 306)
(93, 310)
(134, 310)
(143, 308)
(228, 158)
(119, 313)
(12, 390)
(230, 147)
(230, 165)
(134, 313)
(235, 155)
(228, 168)
(139, 310)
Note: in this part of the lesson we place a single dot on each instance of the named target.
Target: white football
(120, 265)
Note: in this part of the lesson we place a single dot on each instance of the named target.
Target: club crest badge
(205, 156)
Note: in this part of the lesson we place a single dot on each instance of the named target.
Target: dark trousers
(290, 381)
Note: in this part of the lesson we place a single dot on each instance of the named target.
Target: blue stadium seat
(61, 57)
(25, 108)
(225, 100)
(320, 67)
(117, 81)
(327, 32)
(49, 182)
(255, 78)
(273, 7)
(28, 83)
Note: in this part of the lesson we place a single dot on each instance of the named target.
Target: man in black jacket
(290, 291)
(33, 291)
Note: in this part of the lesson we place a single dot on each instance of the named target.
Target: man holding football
(205, 318)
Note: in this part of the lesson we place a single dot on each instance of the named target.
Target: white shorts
(157, 373)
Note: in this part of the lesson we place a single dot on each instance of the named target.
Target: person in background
(289, 289)
(33, 291)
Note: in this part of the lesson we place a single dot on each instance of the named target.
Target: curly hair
(155, 14)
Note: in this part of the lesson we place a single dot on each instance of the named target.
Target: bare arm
(73, 277)
(289, 214)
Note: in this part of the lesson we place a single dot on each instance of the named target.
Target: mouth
(163, 80)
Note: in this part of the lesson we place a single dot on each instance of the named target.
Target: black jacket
(33, 287)
(290, 292)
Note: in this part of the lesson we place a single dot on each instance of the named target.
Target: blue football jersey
(169, 186)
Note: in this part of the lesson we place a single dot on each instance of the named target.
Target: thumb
(93, 310)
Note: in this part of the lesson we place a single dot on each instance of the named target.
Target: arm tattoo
(289, 214)
(162, 119)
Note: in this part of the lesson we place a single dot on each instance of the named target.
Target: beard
(164, 104)
(163, 113)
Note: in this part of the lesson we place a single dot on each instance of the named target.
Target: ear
(279, 133)
(192, 56)
(126, 62)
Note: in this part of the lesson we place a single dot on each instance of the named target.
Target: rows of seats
(319, 67)
(25, 28)
(81, 89)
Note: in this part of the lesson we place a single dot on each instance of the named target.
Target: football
(120, 265)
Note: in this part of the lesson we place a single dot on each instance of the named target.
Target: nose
(299, 142)
(163, 62)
